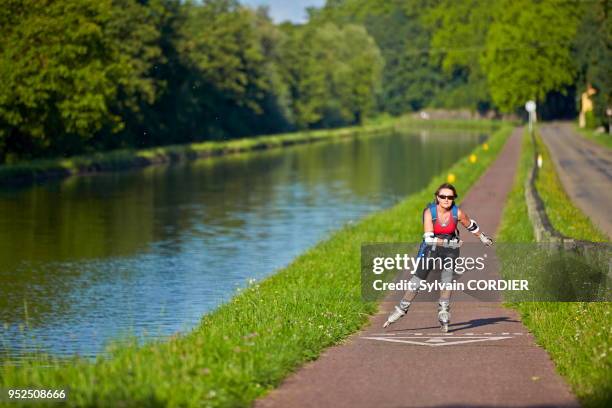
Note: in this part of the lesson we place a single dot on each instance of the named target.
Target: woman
(440, 240)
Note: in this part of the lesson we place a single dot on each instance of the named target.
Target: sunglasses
(445, 197)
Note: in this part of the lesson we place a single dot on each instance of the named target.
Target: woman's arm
(471, 226)
(464, 219)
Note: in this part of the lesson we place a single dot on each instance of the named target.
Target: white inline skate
(444, 315)
(399, 312)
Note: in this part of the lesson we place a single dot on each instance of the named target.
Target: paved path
(585, 170)
(488, 358)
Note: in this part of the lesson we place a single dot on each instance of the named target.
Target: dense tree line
(87, 75)
(493, 54)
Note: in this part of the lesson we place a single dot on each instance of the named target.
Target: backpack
(434, 216)
(433, 208)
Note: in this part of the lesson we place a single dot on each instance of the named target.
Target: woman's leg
(444, 301)
(446, 278)
(413, 289)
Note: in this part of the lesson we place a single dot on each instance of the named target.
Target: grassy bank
(116, 160)
(563, 214)
(603, 139)
(131, 158)
(578, 336)
(250, 344)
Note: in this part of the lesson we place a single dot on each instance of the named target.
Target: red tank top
(449, 229)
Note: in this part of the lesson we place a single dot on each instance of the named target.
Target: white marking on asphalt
(407, 333)
(401, 333)
(435, 341)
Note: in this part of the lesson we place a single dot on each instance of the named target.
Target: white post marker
(530, 107)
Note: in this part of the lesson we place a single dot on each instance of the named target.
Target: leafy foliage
(410, 79)
(83, 76)
(528, 51)
(459, 30)
(89, 75)
(333, 77)
(593, 55)
(63, 64)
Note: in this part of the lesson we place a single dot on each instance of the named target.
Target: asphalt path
(585, 170)
(487, 359)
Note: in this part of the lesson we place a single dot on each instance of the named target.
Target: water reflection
(150, 251)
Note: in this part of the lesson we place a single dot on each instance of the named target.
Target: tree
(593, 54)
(221, 47)
(137, 30)
(333, 73)
(63, 64)
(459, 30)
(410, 80)
(528, 50)
(364, 64)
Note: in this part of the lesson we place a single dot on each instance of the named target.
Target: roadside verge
(577, 335)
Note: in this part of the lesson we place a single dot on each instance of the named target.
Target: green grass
(250, 344)
(515, 225)
(130, 158)
(604, 139)
(577, 335)
(563, 214)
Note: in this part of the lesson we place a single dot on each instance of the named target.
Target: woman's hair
(445, 185)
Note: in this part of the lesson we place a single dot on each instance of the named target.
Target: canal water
(147, 252)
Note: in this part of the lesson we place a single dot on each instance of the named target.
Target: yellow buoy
(485, 146)
(450, 178)
(473, 158)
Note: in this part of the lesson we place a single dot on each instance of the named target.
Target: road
(585, 170)
(488, 358)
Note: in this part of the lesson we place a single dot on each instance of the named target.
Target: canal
(147, 252)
